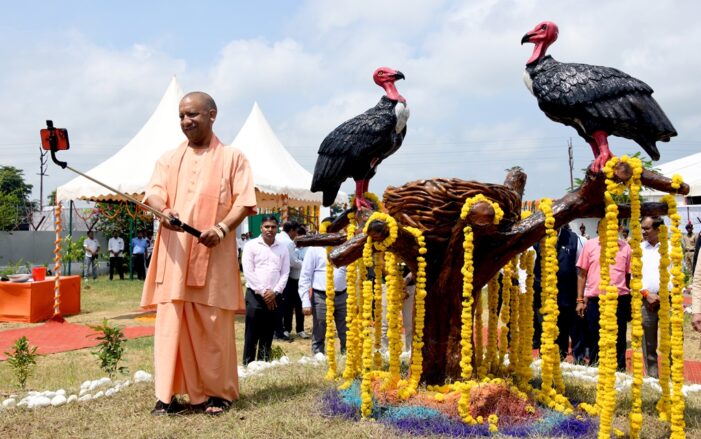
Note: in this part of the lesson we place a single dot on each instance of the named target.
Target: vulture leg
(360, 189)
(601, 139)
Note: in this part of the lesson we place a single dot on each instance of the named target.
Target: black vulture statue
(596, 101)
(357, 146)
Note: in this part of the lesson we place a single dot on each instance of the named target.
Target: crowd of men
(578, 279)
(140, 247)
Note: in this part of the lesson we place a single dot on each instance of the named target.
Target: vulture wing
(350, 148)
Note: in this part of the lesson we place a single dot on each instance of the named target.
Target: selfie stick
(53, 142)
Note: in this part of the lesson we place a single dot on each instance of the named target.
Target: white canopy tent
(130, 168)
(280, 180)
(689, 168)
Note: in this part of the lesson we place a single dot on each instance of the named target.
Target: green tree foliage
(113, 217)
(22, 360)
(15, 206)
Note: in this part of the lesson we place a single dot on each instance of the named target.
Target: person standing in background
(116, 248)
(92, 249)
(266, 267)
(139, 245)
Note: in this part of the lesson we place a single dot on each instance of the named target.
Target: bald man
(194, 284)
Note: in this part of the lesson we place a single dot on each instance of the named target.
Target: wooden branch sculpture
(434, 207)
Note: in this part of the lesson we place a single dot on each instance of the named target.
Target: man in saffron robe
(195, 284)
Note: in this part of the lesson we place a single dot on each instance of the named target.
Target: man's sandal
(217, 406)
(172, 408)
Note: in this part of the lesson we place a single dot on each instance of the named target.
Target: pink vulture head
(385, 78)
(543, 35)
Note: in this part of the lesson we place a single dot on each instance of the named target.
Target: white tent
(130, 168)
(689, 168)
(280, 180)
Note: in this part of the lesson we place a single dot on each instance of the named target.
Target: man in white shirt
(92, 248)
(650, 291)
(290, 297)
(116, 248)
(266, 267)
(313, 276)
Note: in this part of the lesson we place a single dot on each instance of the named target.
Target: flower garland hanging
(663, 404)
(467, 287)
(479, 332)
(416, 367)
(330, 322)
(366, 384)
(608, 303)
(377, 299)
(677, 317)
(353, 349)
(394, 300)
(552, 388)
(505, 312)
(491, 360)
(636, 326)
(514, 321)
(524, 373)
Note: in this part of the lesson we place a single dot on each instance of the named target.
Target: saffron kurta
(181, 178)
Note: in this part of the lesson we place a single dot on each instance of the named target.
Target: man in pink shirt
(266, 267)
(588, 293)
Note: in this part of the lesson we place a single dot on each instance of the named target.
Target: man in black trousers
(266, 266)
(570, 326)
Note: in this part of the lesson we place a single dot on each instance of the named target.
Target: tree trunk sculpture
(434, 207)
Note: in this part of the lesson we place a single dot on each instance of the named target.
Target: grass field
(280, 403)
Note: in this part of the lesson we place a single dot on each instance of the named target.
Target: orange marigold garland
(663, 404)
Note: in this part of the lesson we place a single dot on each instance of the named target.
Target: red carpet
(52, 337)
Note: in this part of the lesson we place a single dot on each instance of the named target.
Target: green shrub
(22, 360)
(111, 348)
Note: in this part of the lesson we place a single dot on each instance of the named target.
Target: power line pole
(42, 172)
(571, 162)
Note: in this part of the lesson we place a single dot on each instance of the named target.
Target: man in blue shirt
(138, 253)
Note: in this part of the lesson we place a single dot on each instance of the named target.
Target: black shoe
(173, 408)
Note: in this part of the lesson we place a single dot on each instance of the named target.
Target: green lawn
(279, 403)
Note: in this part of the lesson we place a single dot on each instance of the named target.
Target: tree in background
(118, 216)
(15, 205)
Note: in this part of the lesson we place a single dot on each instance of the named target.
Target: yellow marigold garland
(393, 230)
(330, 323)
(524, 373)
(677, 318)
(479, 339)
(366, 384)
(416, 367)
(466, 318)
(377, 288)
(663, 404)
(608, 303)
(552, 388)
(515, 348)
(491, 359)
(353, 349)
(636, 326)
(505, 312)
(394, 300)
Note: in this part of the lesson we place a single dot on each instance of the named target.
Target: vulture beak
(398, 75)
(526, 38)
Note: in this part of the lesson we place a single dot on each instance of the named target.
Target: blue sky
(100, 68)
